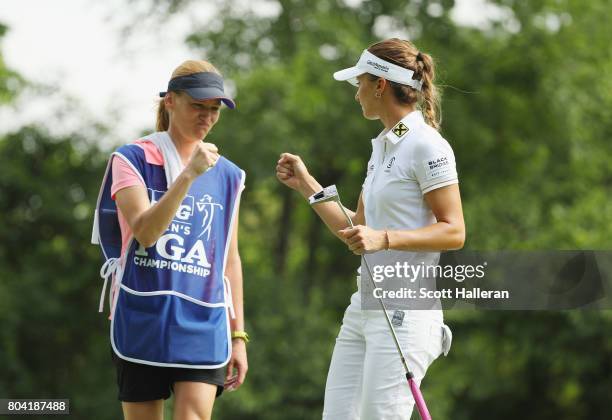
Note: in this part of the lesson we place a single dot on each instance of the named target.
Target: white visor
(369, 63)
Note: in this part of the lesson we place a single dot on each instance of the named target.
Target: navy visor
(204, 85)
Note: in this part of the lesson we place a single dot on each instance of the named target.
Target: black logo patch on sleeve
(437, 167)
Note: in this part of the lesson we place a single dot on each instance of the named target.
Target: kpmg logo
(377, 66)
(184, 211)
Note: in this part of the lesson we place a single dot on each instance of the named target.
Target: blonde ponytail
(430, 97)
(405, 54)
(163, 119)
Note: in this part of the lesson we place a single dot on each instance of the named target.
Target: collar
(404, 126)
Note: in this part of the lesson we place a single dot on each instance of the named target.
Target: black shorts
(138, 382)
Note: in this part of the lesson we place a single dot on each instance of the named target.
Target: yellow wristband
(240, 334)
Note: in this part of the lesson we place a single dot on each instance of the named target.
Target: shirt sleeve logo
(437, 167)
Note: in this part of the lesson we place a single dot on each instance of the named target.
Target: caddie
(167, 223)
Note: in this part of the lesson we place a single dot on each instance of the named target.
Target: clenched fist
(291, 171)
(204, 157)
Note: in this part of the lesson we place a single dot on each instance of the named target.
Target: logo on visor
(400, 129)
(378, 66)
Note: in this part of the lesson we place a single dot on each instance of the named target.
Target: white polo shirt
(407, 162)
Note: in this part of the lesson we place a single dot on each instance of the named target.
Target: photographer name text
(424, 293)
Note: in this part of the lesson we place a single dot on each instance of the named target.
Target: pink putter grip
(419, 400)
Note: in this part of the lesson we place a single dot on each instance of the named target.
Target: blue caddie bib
(172, 300)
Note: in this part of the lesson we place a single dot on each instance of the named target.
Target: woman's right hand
(291, 171)
(203, 157)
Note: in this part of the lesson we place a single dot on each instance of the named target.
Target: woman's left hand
(363, 240)
(238, 361)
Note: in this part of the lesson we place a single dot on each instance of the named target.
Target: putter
(331, 194)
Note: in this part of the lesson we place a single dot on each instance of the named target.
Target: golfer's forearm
(332, 216)
(153, 222)
(234, 275)
(330, 213)
(309, 186)
(441, 236)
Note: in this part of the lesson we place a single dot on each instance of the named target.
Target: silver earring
(377, 94)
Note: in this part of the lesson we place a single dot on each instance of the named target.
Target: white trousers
(366, 379)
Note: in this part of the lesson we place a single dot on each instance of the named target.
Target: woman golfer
(410, 202)
(167, 222)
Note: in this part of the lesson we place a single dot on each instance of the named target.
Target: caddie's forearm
(152, 223)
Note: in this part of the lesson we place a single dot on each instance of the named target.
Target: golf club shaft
(393, 333)
(382, 304)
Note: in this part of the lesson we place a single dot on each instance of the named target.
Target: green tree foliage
(53, 341)
(10, 82)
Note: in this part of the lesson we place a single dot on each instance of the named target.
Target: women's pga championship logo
(185, 212)
(174, 250)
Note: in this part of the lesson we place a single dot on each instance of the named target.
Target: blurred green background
(527, 109)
